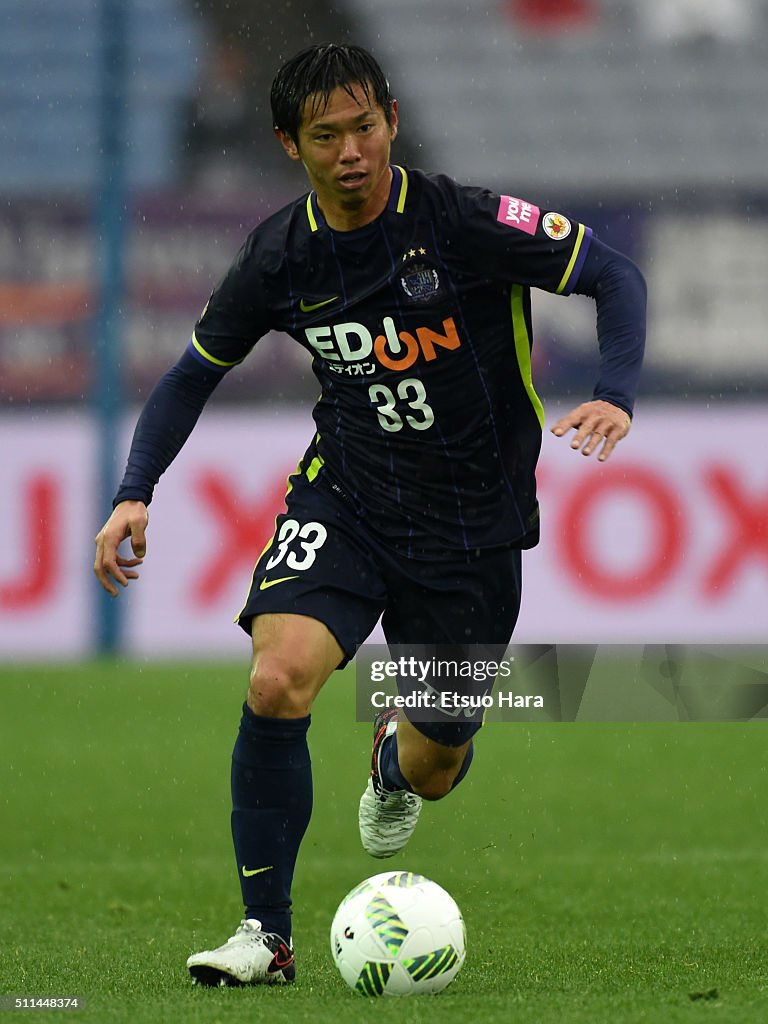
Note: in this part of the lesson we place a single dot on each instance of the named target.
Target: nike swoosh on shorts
(266, 584)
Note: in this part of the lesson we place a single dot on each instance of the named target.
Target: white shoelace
(390, 805)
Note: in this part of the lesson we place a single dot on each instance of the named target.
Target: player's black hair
(316, 72)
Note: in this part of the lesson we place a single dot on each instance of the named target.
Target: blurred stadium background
(136, 155)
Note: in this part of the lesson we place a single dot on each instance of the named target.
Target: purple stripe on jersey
(342, 284)
(200, 358)
(489, 406)
(585, 243)
(390, 253)
(390, 442)
(394, 192)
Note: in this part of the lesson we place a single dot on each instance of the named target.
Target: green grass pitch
(607, 873)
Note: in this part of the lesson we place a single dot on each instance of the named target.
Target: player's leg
(293, 656)
(406, 769)
(429, 768)
(271, 780)
(432, 754)
(313, 599)
(470, 606)
(461, 611)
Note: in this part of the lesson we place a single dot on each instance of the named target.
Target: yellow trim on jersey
(208, 356)
(311, 213)
(313, 469)
(269, 543)
(403, 189)
(523, 349)
(263, 552)
(571, 261)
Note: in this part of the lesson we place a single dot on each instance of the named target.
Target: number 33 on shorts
(296, 546)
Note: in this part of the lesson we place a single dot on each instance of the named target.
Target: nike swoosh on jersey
(266, 584)
(247, 873)
(308, 307)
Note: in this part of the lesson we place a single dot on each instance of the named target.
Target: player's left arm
(618, 288)
(524, 244)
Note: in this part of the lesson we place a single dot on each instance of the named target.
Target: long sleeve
(167, 420)
(618, 288)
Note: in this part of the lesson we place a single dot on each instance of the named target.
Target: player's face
(344, 147)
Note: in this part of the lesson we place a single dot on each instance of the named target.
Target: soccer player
(416, 495)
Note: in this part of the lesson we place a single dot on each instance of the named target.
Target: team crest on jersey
(420, 282)
(556, 225)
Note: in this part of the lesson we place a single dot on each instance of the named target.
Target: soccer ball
(398, 934)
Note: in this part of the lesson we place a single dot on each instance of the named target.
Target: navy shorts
(324, 562)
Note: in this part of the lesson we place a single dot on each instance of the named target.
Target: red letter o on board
(582, 554)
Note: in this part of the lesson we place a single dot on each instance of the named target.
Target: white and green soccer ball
(398, 934)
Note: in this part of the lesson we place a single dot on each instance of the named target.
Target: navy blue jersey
(419, 329)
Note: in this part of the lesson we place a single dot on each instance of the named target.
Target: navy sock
(389, 769)
(464, 765)
(271, 808)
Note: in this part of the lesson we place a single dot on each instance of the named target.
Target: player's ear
(287, 143)
(393, 121)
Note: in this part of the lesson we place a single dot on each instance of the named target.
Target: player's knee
(279, 688)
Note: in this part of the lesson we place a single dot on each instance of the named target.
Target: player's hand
(596, 423)
(129, 519)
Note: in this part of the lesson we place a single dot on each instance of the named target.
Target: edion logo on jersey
(518, 214)
(394, 350)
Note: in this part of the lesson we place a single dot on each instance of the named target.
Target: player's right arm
(166, 421)
(234, 318)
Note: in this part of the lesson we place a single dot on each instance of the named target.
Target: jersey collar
(398, 191)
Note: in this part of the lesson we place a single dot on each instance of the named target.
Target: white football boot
(387, 818)
(250, 957)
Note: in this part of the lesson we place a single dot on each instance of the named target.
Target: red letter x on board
(746, 534)
(242, 527)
